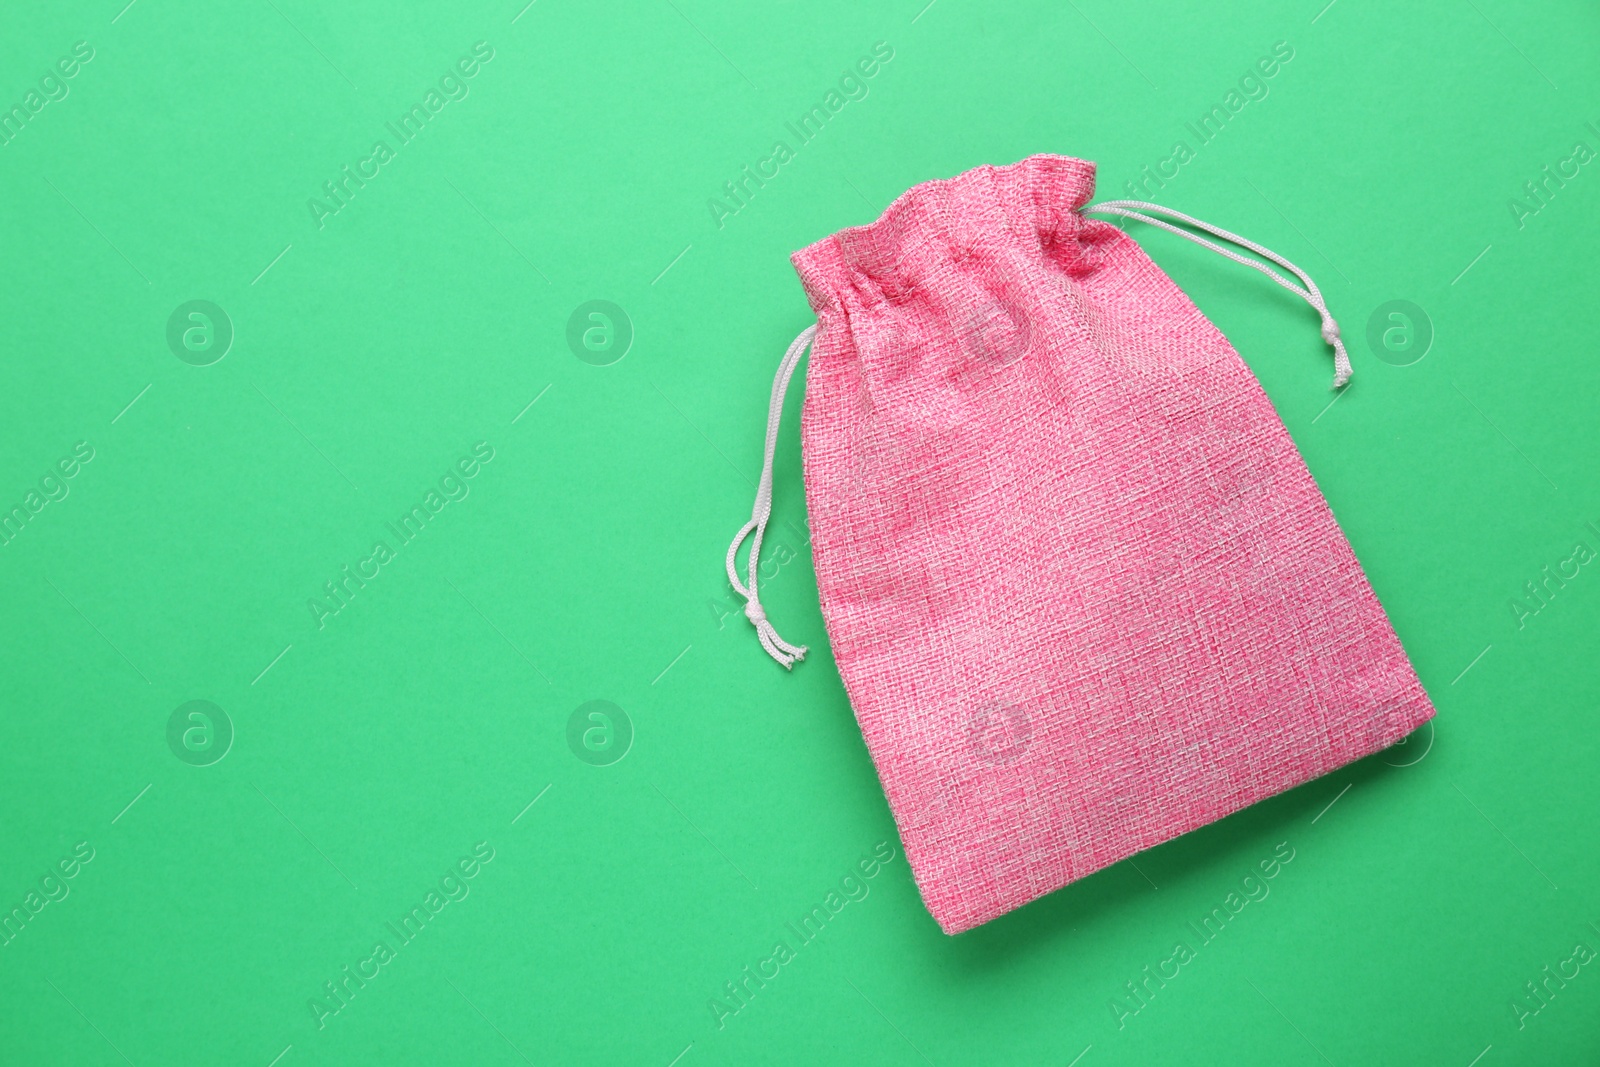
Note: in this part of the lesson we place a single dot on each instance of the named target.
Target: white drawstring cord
(1133, 209)
(785, 653)
(776, 647)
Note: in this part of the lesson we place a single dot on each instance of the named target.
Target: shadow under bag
(1082, 591)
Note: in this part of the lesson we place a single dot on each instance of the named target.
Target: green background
(371, 753)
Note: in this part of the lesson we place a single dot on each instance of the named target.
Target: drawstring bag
(1082, 591)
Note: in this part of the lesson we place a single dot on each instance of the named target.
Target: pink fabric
(1083, 593)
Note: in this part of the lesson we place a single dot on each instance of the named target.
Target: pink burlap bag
(1083, 592)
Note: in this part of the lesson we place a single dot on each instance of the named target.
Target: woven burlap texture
(1082, 590)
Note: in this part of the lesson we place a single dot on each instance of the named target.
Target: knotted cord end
(786, 654)
(779, 649)
(1341, 358)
